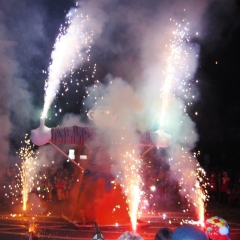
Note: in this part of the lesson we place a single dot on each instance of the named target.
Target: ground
(51, 223)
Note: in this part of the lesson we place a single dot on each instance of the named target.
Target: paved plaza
(55, 225)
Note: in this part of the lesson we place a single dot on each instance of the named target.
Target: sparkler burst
(176, 86)
(32, 227)
(201, 195)
(201, 191)
(176, 73)
(131, 183)
(72, 47)
(28, 168)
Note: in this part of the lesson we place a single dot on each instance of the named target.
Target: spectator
(59, 187)
(213, 186)
(66, 188)
(188, 233)
(160, 182)
(234, 198)
(42, 190)
(49, 190)
(130, 236)
(225, 187)
(163, 234)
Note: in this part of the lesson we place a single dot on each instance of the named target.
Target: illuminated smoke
(177, 90)
(164, 90)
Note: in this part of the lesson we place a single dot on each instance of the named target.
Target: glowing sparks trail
(132, 185)
(175, 86)
(28, 157)
(201, 192)
(175, 63)
(32, 227)
(71, 48)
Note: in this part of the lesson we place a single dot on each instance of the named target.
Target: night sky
(220, 85)
(129, 38)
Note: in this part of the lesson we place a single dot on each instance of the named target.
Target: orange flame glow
(32, 227)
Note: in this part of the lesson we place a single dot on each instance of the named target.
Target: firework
(71, 48)
(175, 64)
(175, 86)
(201, 192)
(131, 184)
(32, 227)
(28, 167)
(200, 195)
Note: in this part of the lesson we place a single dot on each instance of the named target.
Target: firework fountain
(32, 228)
(72, 41)
(132, 183)
(175, 86)
(72, 47)
(27, 170)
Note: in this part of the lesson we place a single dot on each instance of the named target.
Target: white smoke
(150, 35)
(5, 93)
(135, 35)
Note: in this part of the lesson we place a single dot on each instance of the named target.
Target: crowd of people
(224, 187)
(48, 184)
(181, 233)
(58, 182)
(160, 189)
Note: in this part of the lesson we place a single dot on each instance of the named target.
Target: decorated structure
(100, 195)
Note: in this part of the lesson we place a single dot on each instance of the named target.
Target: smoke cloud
(19, 40)
(129, 44)
(146, 32)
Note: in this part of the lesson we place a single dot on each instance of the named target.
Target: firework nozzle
(42, 122)
(163, 139)
(41, 135)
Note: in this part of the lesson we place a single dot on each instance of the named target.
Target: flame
(32, 227)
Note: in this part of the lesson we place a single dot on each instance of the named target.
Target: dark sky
(129, 38)
(220, 82)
